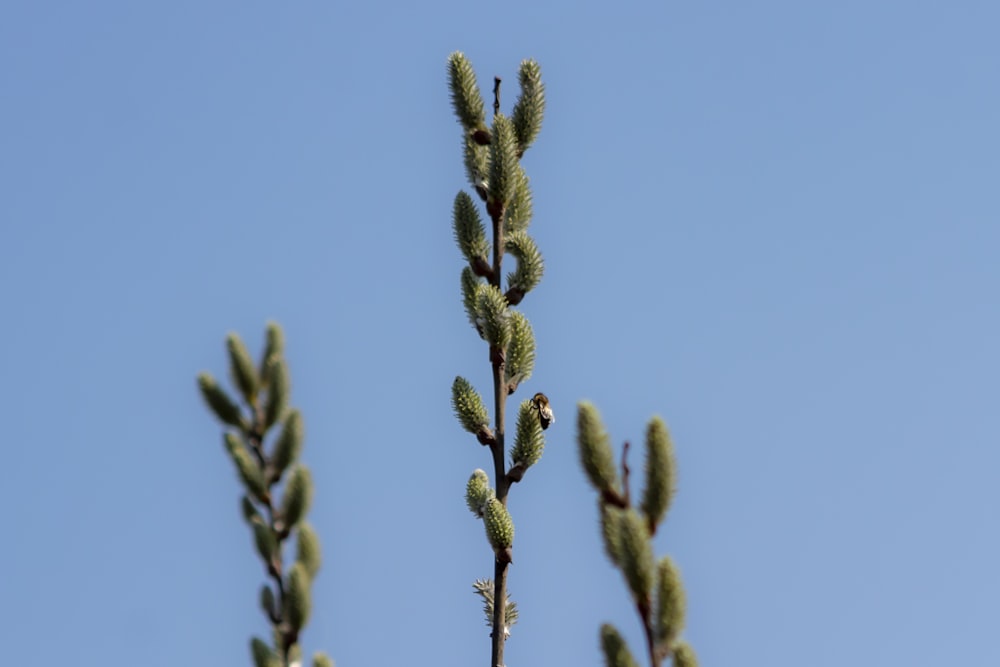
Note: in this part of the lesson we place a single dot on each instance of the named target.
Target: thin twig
(496, 96)
(625, 473)
(647, 626)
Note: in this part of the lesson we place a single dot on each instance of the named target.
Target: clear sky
(775, 224)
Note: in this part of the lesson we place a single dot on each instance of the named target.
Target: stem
(502, 486)
(650, 641)
(498, 359)
(499, 613)
(625, 473)
(275, 566)
(496, 95)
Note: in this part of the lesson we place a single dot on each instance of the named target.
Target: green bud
(470, 235)
(298, 496)
(529, 443)
(307, 549)
(510, 613)
(288, 446)
(595, 448)
(277, 393)
(470, 287)
(684, 655)
(484, 588)
(241, 368)
(636, 559)
(249, 510)
(267, 601)
(465, 96)
(670, 603)
(478, 492)
(468, 406)
(661, 479)
(519, 211)
(273, 348)
(499, 525)
(503, 162)
(530, 106)
(219, 402)
(322, 660)
(262, 654)
(265, 541)
(249, 470)
(477, 165)
(295, 654)
(298, 601)
(492, 312)
(530, 266)
(521, 353)
(279, 639)
(616, 653)
(611, 531)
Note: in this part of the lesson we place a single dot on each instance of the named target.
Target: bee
(545, 415)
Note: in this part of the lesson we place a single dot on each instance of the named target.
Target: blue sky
(774, 224)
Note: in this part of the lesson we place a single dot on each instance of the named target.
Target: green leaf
(670, 603)
(595, 448)
(661, 481)
(468, 406)
(616, 653)
(241, 368)
(478, 492)
(219, 402)
(466, 99)
(288, 446)
(298, 496)
(298, 601)
(530, 106)
(308, 551)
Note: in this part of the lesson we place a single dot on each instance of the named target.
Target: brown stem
(498, 360)
(275, 566)
(496, 95)
(647, 626)
(625, 473)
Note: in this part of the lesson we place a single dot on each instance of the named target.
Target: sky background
(775, 224)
